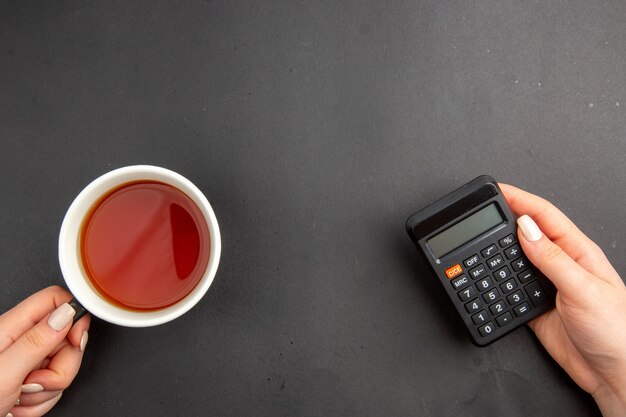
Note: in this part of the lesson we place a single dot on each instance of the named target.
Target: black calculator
(469, 237)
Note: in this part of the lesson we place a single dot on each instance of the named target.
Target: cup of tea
(139, 246)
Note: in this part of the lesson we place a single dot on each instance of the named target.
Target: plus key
(536, 293)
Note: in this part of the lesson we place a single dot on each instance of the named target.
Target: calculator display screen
(465, 230)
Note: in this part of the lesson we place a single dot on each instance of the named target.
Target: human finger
(61, 370)
(78, 333)
(77, 337)
(38, 397)
(81, 345)
(562, 231)
(35, 410)
(15, 322)
(35, 344)
(571, 279)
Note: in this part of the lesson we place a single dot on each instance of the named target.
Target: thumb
(566, 274)
(37, 343)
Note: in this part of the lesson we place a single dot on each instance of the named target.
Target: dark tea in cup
(145, 245)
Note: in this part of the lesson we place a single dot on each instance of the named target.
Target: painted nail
(61, 317)
(83, 341)
(31, 388)
(529, 228)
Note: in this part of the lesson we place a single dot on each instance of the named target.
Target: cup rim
(69, 249)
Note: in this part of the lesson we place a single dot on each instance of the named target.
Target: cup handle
(80, 310)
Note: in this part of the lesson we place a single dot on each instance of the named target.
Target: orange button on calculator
(453, 271)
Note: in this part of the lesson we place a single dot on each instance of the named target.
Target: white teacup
(70, 258)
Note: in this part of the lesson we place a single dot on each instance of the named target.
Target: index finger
(15, 322)
(561, 230)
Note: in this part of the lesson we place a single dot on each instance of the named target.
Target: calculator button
(515, 298)
(467, 294)
(489, 250)
(473, 306)
(480, 318)
(460, 282)
(498, 308)
(508, 286)
(487, 329)
(519, 264)
(502, 274)
(504, 319)
(478, 272)
(495, 262)
(491, 296)
(484, 284)
(513, 252)
(453, 271)
(471, 261)
(521, 309)
(526, 276)
(506, 241)
(536, 293)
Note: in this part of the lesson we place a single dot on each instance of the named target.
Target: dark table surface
(314, 128)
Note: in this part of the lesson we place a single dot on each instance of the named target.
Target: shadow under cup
(88, 292)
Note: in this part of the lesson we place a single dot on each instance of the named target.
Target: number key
(484, 284)
(498, 308)
(491, 296)
(487, 329)
(515, 298)
(467, 294)
(473, 306)
(502, 274)
(480, 318)
(508, 286)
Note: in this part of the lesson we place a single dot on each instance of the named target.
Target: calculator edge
(449, 199)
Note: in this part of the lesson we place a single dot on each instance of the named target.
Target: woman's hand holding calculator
(585, 333)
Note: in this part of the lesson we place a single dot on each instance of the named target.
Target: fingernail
(31, 388)
(529, 228)
(83, 341)
(61, 317)
(9, 415)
